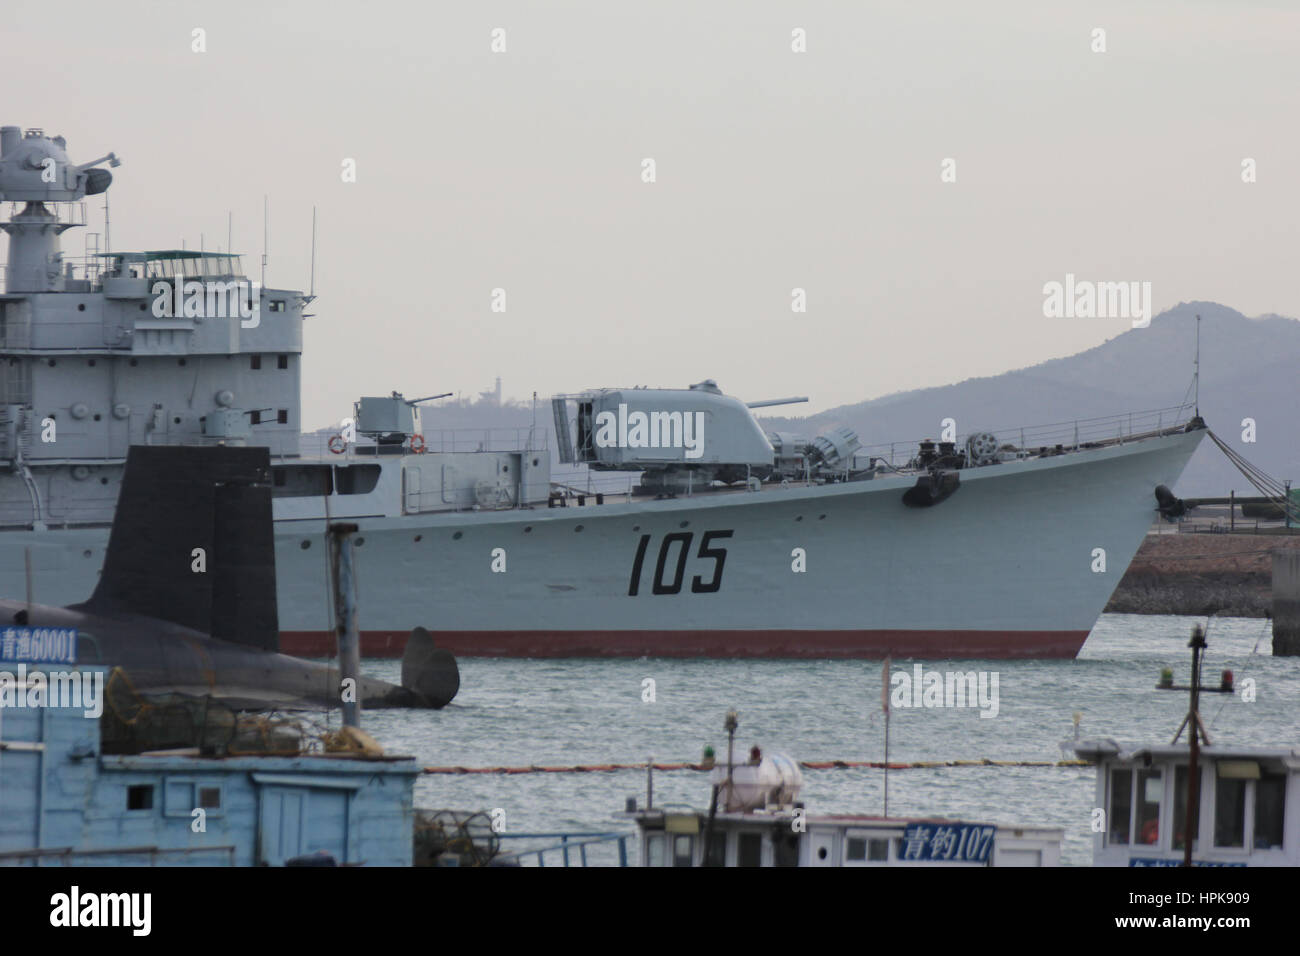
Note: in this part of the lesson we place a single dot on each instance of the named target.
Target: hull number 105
(674, 551)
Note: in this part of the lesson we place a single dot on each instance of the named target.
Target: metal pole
(1193, 769)
(886, 764)
(345, 602)
(27, 563)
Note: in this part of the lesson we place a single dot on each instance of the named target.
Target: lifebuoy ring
(337, 444)
(417, 444)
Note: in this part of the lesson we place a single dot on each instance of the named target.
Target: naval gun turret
(689, 439)
(35, 170)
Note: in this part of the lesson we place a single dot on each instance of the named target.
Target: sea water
(581, 711)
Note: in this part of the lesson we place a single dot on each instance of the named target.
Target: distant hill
(1250, 368)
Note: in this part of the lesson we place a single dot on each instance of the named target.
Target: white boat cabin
(786, 837)
(1249, 805)
(757, 820)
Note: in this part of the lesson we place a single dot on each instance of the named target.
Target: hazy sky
(775, 170)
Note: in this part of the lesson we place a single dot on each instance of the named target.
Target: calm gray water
(522, 712)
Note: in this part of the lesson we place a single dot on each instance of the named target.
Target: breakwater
(1201, 574)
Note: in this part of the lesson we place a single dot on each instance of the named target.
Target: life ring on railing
(337, 444)
(417, 444)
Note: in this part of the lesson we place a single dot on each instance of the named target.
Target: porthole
(103, 481)
(528, 529)
(81, 307)
(419, 538)
(305, 545)
(457, 536)
(360, 542)
(683, 524)
(577, 529)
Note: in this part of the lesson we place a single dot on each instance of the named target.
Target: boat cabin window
(654, 849)
(139, 797)
(1248, 799)
(866, 849)
(749, 849)
(1229, 812)
(1180, 808)
(1270, 810)
(683, 849)
(715, 849)
(785, 848)
(1135, 798)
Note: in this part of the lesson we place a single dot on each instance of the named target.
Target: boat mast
(1196, 369)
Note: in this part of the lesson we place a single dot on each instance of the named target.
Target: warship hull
(1019, 562)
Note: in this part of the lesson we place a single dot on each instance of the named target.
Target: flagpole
(884, 704)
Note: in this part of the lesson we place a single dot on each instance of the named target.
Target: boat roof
(157, 255)
(1110, 749)
(759, 818)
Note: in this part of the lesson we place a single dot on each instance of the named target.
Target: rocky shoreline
(1201, 574)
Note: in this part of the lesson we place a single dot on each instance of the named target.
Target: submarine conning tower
(35, 171)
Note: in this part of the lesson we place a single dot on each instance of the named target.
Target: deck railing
(567, 849)
(1070, 435)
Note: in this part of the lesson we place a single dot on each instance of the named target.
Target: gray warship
(736, 542)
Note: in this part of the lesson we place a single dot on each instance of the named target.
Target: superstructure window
(282, 416)
(282, 361)
(139, 797)
(356, 479)
(255, 361)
